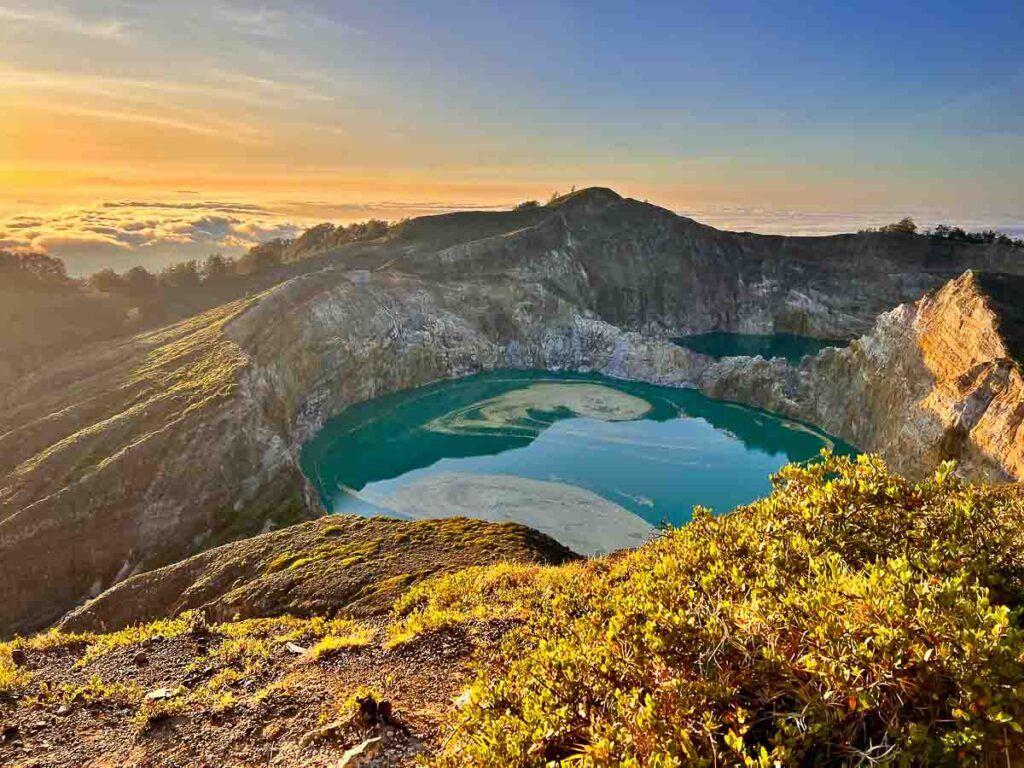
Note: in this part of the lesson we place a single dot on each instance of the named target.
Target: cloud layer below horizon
(120, 234)
(827, 106)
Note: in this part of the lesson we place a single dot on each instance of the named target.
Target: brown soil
(239, 679)
(421, 680)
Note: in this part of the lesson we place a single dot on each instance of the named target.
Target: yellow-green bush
(94, 689)
(345, 636)
(506, 591)
(852, 617)
(12, 677)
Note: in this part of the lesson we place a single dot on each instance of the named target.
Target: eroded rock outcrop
(933, 380)
(138, 452)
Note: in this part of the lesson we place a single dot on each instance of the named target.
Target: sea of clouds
(123, 233)
(768, 221)
(120, 234)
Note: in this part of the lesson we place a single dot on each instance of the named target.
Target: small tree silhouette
(906, 224)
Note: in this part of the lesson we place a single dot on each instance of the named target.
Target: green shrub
(345, 636)
(906, 225)
(12, 677)
(487, 593)
(852, 617)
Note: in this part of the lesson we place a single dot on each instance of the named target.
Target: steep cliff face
(322, 343)
(932, 380)
(135, 453)
(127, 455)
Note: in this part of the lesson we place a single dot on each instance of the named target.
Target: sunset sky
(138, 131)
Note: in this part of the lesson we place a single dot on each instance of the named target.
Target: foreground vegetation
(850, 618)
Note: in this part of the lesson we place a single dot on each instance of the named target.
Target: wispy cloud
(258, 87)
(109, 29)
(225, 88)
(390, 210)
(190, 206)
(263, 21)
(237, 133)
(258, 22)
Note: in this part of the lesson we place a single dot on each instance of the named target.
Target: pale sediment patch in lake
(581, 520)
(514, 411)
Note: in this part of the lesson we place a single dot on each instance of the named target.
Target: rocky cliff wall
(646, 269)
(933, 380)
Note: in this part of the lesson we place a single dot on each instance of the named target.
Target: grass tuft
(344, 636)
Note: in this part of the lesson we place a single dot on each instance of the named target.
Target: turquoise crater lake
(597, 463)
(719, 344)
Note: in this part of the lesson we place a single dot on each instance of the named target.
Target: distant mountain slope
(798, 284)
(44, 314)
(645, 268)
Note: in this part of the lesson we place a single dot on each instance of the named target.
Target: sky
(137, 131)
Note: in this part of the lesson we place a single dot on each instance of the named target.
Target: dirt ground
(290, 710)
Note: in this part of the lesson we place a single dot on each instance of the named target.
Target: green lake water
(719, 344)
(593, 461)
